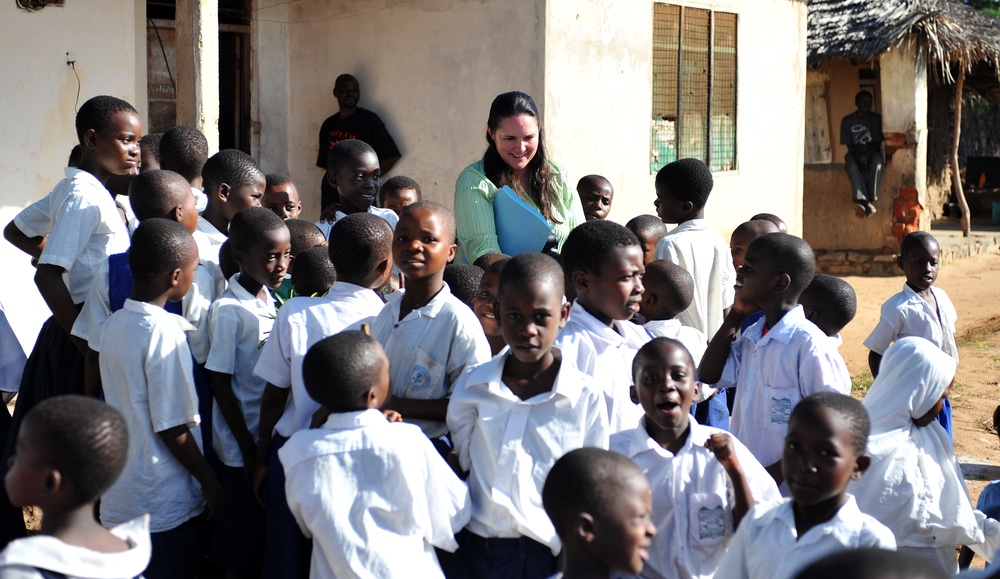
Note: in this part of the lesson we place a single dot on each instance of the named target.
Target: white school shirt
(388, 214)
(194, 308)
(22, 558)
(696, 247)
(773, 373)
(239, 322)
(908, 314)
(146, 370)
(693, 499)
(508, 445)
(692, 338)
(83, 227)
(766, 546)
(301, 322)
(209, 240)
(606, 355)
(375, 497)
(200, 199)
(430, 348)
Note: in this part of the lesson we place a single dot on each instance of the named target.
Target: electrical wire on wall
(79, 83)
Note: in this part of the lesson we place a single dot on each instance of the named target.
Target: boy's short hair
(834, 299)
(84, 439)
(783, 253)
(97, 113)
(852, 411)
(670, 280)
(916, 240)
(346, 151)
(687, 180)
(250, 225)
(585, 480)
(313, 273)
(756, 227)
(486, 260)
(463, 281)
(399, 183)
(591, 244)
(779, 222)
(151, 143)
(227, 263)
(531, 267)
(275, 179)
(447, 217)
(184, 150)
(596, 181)
(655, 344)
(304, 234)
(230, 166)
(358, 243)
(338, 371)
(154, 193)
(647, 227)
(159, 246)
(871, 563)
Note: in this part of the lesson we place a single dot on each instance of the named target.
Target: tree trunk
(956, 178)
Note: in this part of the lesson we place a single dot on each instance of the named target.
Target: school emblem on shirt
(420, 378)
(781, 410)
(711, 523)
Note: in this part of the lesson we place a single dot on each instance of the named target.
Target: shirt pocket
(425, 378)
(778, 406)
(710, 525)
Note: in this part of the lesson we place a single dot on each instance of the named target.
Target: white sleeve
(195, 307)
(225, 328)
(886, 331)
(734, 562)
(447, 498)
(174, 401)
(275, 361)
(823, 371)
(598, 430)
(96, 310)
(468, 348)
(461, 419)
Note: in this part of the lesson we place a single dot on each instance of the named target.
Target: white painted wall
(598, 84)
(429, 68)
(106, 38)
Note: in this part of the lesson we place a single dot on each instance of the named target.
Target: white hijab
(915, 484)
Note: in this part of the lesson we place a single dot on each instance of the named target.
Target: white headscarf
(914, 485)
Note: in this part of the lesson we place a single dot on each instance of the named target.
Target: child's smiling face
(267, 260)
(358, 182)
(624, 532)
(819, 458)
(483, 304)
(422, 246)
(920, 265)
(665, 387)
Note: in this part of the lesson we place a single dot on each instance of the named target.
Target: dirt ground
(973, 285)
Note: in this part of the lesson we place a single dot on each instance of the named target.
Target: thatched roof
(948, 30)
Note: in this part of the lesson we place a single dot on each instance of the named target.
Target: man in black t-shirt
(352, 122)
(861, 131)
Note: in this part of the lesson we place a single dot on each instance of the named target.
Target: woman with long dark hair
(515, 157)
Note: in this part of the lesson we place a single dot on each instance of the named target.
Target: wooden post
(956, 178)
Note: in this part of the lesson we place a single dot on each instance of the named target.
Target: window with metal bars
(694, 86)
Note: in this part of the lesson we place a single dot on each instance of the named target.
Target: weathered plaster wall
(107, 40)
(429, 68)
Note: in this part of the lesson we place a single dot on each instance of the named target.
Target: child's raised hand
(721, 445)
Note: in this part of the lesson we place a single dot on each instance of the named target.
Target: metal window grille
(694, 86)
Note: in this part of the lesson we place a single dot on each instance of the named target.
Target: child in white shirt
(682, 190)
(360, 249)
(374, 496)
(429, 335)
(704, 481)
(603, 261)
(824, 452)
(150, 382)
(348, 158)
(782, 357)
(240, 320)
(919, 310)
(511, 418)
(70, 449)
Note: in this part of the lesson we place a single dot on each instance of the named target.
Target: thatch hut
(910, 54)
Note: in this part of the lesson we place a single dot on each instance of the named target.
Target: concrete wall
(107, 40)
(430, 69)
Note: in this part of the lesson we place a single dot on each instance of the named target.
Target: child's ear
(237, 257)
(53, 482)
(697, 390)
(331, 180)
(451, 252)
(178, 214)
(633, 394)
(224, 190)
(687, 207)
(384, 270)
(89, 139)
(861, 464)
(563, 315)
(584, 527)
(648, 298)
(175, 277)
(371, 399)
(782, 282)
(580, 280)
(899, 261)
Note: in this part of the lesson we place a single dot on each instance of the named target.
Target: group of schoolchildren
(653, 403)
